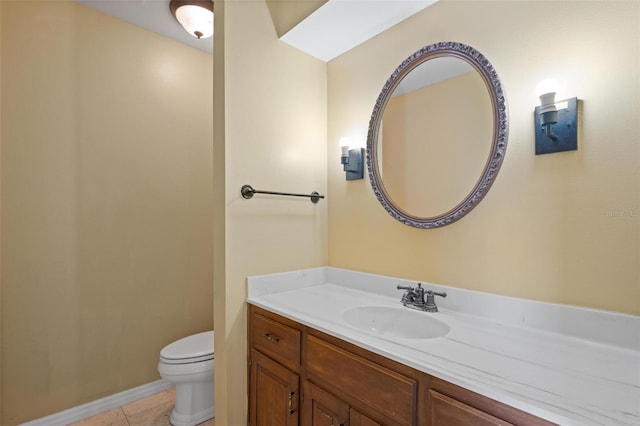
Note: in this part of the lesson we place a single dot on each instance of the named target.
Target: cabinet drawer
(277, 340)
(445, 411)
(390, 393)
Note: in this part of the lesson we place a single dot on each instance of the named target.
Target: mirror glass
(437, 135)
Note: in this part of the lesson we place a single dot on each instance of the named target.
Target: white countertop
(562, 378)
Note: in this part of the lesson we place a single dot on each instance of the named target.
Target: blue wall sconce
(351, 160)
(556, 124)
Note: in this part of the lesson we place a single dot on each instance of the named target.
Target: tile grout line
(126, 419)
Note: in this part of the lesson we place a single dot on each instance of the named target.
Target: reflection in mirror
(437, 135)
(438, 125)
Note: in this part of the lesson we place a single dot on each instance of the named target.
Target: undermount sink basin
(395, 322)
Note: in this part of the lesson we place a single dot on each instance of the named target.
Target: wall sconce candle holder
(352, 164)
(556, 125)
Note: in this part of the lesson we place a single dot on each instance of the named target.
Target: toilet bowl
(188, 364)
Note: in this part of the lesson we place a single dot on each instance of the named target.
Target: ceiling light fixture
(196, 16)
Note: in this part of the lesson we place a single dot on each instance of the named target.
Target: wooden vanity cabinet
(298, 375)
(274, 369)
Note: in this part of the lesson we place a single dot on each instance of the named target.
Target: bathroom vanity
(311, 363)
(300, 375)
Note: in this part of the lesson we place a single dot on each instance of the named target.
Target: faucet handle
(405, 287)
(409, 296)
(430, 302)
(409, 288)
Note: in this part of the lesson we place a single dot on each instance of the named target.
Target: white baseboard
(63, 418)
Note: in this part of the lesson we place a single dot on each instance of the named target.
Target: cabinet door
(445, 411)
(274, 393)
(356, 418)
(323, 409)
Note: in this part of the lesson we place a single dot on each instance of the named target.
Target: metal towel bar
(247, 192)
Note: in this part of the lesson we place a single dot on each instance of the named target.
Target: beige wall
(0, 216)
(274, 138)
(107, 207)
(549, 228)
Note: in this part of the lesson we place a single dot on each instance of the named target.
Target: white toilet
(188, 364)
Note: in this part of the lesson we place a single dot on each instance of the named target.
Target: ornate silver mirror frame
(499, 140)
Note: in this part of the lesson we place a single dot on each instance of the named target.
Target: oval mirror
(437, 135)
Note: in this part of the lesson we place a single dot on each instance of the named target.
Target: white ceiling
(340, 25)
(336, 27)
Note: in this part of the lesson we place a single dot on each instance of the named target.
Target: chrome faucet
(414, 298)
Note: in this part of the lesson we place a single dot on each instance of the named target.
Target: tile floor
(151, 411)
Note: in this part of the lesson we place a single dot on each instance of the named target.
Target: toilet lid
(196, 348)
